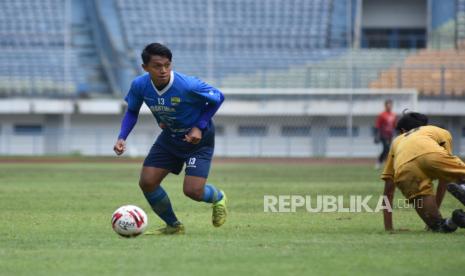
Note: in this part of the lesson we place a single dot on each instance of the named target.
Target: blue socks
(161, 205)
(211, 194)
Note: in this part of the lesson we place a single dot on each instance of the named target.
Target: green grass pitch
(56, 221)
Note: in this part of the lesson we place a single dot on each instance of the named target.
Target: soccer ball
(129, 221)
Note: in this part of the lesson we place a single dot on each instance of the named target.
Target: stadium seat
(241, 37)
(34, 58)
(432, 72)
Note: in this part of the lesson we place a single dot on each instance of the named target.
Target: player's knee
(193, 193)
(147, 185)
(144, 185)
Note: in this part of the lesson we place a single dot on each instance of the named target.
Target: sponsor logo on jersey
(162, 108)
(175, 100)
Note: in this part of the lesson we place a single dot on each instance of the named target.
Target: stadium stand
(32, 23)
(354, 69)
(43, 53)
(443, 37)
(327, 69)
(38, 72)
(223, 37)
(460, 18)
(432, 72)
(91, 48)
(238, 25)
(242, 43)
(29, 32)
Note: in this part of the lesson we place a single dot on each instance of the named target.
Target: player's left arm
(445, 140)
(213, 98)
(389, 189)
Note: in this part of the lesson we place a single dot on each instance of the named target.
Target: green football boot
(219, 211)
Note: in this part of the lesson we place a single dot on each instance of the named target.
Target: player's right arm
(134, 100)
(127, 124)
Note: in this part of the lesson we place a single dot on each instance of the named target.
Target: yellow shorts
(416, 177)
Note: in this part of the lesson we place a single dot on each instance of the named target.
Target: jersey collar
(161, 92)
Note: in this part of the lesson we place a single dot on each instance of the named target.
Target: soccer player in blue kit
(183, 107)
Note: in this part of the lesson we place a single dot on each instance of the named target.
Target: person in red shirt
(384, 130)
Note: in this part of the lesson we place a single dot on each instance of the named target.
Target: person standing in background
(384, 131)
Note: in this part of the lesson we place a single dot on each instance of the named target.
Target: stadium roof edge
(314, 91)
(255, 106)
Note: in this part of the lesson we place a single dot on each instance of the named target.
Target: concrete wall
(91, 127)
(96, 134)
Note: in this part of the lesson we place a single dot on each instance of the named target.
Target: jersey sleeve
(206, 92)
(388, 172)
(134, 98)
(445, 140)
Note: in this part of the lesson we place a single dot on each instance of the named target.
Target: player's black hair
(155, 49)
(411, 120)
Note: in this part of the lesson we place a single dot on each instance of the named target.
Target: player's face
(159, 69)
(388, 106)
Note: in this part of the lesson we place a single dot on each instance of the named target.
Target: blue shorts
(197, 158)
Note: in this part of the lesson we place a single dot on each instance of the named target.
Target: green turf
(56, 221)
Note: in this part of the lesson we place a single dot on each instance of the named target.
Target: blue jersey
(178, 106)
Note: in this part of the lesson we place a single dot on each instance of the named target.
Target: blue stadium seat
(240, 37)
(33, 58)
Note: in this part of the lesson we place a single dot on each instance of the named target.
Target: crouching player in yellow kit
(419, 155)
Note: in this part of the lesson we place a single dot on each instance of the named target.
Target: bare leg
(151, 178)
(428, 210)
(441, 192)
(194, 187)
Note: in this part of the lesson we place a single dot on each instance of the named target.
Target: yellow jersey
(414, 143)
